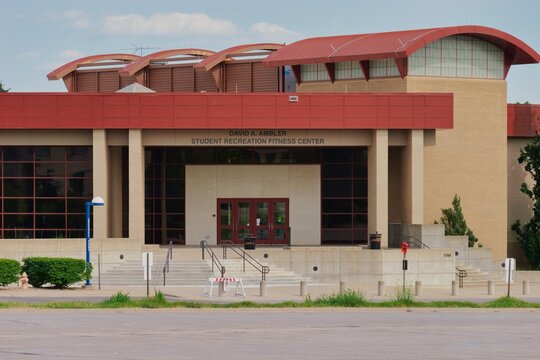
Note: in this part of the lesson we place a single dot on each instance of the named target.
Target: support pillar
(378, 185)
(136, 186)
(413, 178)
(100, 160)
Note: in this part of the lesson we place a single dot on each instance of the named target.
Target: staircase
(251, 276)
(181, 273)
(477, 277)
(192, 272)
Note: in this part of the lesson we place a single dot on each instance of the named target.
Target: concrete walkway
(274, 294)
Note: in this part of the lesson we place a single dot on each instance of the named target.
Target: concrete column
(262, 289)
(221, 288)
(526, 288)
(303, 288)
(417, 288)
(455, 288)
(413, 178)
(342, 287)
(100, 183)
(378, 185)
(136, 186)
(381, 291)
(491, 287)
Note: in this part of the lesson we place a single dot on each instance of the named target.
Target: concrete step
(477, 277)
(180, 273)
(195, 272)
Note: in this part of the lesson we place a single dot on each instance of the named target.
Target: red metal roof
(397, 44)
(523, 120)
(225, 111)
(137, 65)
(65, 69)
(221, 56)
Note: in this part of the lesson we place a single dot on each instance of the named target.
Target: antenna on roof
(140, 49)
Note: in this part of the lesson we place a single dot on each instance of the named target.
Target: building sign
(259, 138)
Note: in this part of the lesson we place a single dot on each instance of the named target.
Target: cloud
(29, 55)
(62, 58)
(70, 54)
(273, 32)
(169, 24)
(76, 18)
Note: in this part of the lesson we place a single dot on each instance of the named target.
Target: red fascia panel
(523, 120)
(225, 111)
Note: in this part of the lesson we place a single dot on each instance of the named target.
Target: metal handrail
(416, 242)
(215, 260)
(167, 260)
(263, 269)
(461, 274)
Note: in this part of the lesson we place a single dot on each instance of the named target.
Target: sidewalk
(274, 294)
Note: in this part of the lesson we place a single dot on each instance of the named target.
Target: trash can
(249, 242)
(375, 241)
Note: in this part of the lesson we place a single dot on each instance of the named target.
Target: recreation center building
(314, 144)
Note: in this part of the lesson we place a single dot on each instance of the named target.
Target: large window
(44, 189)
(164, 195)
(344, 196)
(314, 72)
(348, 70)
(383, 68)
(458, 56)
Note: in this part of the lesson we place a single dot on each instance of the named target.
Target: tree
(528, 236)
(2, 89)
(454, 221)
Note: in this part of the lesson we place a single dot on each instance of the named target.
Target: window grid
(458, 56)
(313, 72)
(349, 70)
(383, 68)
(44, 198)
(164, 196)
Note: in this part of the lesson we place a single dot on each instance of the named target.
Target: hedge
(58, 272)
(9, 271)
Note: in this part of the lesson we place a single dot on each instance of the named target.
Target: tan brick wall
(471, 159)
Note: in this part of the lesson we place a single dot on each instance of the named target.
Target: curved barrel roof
(221, 56)
(71, 66)
(144, 61)
(397, 44)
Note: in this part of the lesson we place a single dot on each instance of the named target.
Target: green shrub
(58, 272)
(404, 296)
(9, 271)
(120, 299)
(348, 298)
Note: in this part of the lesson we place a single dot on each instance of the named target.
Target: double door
(265, 219)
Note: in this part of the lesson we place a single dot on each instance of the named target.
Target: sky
(37, 36)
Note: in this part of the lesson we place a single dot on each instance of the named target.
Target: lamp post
(96, 201)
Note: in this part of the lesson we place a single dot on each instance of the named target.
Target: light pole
(96, 201)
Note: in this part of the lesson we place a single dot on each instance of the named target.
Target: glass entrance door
(266, 219)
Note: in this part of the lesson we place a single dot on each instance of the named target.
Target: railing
(263, 269)
(413, 242)
(215, 260)
(167, 260)
(461, 274)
